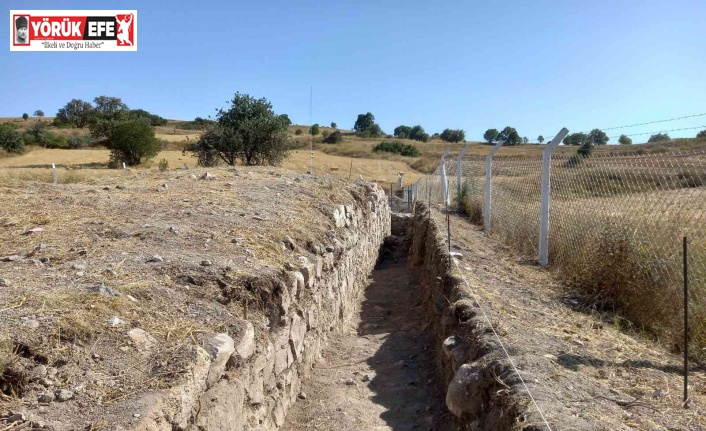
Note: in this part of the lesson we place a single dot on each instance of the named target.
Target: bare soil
(106, 286)
(380, 373)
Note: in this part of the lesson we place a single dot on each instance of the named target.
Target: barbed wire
(660, 131)
(655, 122)
(644, 124)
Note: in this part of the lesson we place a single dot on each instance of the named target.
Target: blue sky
(534, 65)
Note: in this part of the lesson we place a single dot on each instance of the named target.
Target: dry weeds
(98, 236)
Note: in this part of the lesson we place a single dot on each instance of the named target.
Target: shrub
(472, 206)
(80, 141)
(298, 132)
(314, 130)
(163, 165)
(659, 137)
(25, 116)
(624, 140)
(335, 137)
(39, 134)
(11, 140)
(132, 142)
(397, 148)
(325, 134)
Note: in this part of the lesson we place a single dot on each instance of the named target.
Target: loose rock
(63, 395)
(156, 258)
(45, 398)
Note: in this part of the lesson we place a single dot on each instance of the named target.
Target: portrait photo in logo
(22, 30)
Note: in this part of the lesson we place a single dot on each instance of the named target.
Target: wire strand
(497, 337)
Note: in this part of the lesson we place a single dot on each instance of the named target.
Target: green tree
(418, 134)
(575, 139)
(525, 140)
(491, 135)
(314, 130)
(624, 140)
(598, 137)
(701, 134)
(298, 132)
(249, 132)
(25, 116)
(659, 137)
(540, 139)
(11, 140)
(510, 136)
(364, 122)
(333, 125)
(402, 132)
(453, 135)
(108, 112)
(76, 113)
(39, 113)
(132, 142)
(335, 137)
(435, 136)
(151, 119)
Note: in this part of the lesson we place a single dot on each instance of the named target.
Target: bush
(472, 206)
(163, 165)
(659, 137)
(314, 130)
(132, 142)
(335, 137)
(11, 140)
(298, 132)
(80, 141)
(397, 148)
(25, 116)
(39, 134)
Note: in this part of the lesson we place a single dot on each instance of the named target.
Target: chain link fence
(616, 226)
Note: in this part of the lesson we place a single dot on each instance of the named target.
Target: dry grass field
(616, 229)
(88, 165)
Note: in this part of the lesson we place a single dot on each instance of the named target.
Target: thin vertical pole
(351, 171)
(53, 170)
(311, 133)
(448, 222)
(488, 190)
(459, 162)
(686, 325)
(545, 193)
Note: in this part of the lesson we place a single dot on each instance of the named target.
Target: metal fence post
(442, 172)
(458, 176)
(488, 192)
(546, 188)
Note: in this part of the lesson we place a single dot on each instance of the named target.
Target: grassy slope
(337, 158)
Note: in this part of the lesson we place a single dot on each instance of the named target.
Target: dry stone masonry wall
(471, 360)
(249, 381)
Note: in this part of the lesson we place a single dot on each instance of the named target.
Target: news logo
(73, 30)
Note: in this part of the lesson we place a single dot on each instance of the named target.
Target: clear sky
(534, 65)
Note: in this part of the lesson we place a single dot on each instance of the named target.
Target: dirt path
(380, 373)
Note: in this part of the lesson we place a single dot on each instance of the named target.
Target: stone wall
(468, 355)
(249, 381)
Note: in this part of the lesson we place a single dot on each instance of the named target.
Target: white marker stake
(124, 170)
(56, 177)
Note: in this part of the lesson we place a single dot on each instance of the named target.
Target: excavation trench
(380, 372)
